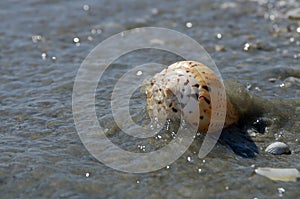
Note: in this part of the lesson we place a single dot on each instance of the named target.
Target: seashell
(172, 92)
(278, 148)
(282, 174)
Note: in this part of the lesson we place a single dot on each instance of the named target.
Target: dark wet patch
(240, 142)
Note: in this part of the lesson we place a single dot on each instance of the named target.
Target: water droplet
(203, 161)
(99, 31)
(138, 182)
(227, 188)
(76, 40)
(257, 88)
(285, 52)
(90, 38)
(252, 166)
(298, 29)
(154, 11)
(139, 73)
(53, 59)
(44, 55)
(173, 135)
(85, 7)
(189, 25)
(87, 175)
(219, 36)
(281, 191)
(36, 38)
(189, 159)
(246, 46)
(199, 170)
(167, 167)
(292, 39)
(248, 87)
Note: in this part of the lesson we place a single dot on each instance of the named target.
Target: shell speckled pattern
(169, 94)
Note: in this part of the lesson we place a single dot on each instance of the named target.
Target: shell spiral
(170, 94)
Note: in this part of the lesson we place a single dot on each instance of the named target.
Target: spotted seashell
(169, 93)
(278, 148)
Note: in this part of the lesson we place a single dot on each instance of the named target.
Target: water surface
(42, 45)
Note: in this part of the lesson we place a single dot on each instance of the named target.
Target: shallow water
(41, 152)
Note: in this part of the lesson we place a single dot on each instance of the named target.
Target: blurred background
(42, 45)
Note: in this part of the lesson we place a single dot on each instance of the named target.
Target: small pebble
(272, 80)
(250, 37)
(278, 148)
(219, 48)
